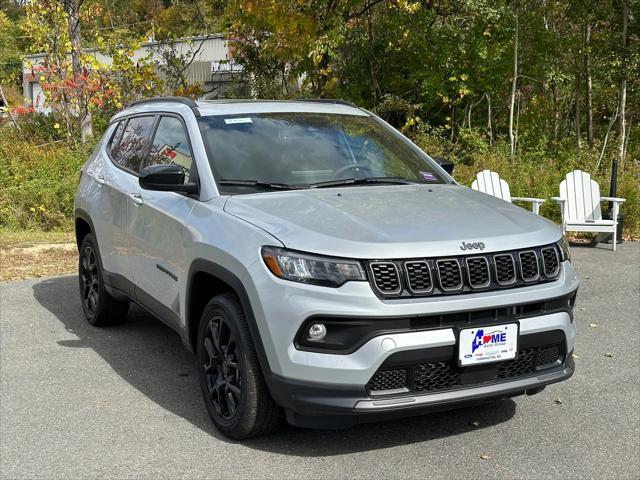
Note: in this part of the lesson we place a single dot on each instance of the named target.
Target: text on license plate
(488, 344)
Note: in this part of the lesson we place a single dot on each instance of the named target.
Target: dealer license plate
(488, 344)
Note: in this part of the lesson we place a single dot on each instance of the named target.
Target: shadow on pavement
(151, 358)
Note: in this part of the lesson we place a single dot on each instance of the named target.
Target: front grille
(449, 276)
(446, 374)
(529, 266)
(478, 272)
(550, 262)
(435, 376)
(386, 380)
(419, 277)
(505, 269)
(523, 364)
(385, 277)
(547, 355)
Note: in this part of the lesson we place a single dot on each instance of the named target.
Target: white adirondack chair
(580, 205)
(490, 183)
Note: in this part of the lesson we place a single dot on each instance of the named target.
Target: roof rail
(183, 100)
(327, 100)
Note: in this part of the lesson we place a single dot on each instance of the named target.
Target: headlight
(301, 267)
(563, 246)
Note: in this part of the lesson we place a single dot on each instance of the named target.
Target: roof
(234, 107)
(238, 107)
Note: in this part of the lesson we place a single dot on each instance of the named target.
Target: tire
(233, 387)
(99, 307)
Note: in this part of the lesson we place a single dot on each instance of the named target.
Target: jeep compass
(321, 267)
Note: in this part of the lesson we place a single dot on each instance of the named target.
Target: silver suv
(319, 264)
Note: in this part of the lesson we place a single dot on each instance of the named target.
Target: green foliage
(535, 173)
(10, 52)
(40, 128)
(38, 183)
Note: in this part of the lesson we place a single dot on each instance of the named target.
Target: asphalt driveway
(123, 402)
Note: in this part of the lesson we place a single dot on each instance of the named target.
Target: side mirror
(165, 178)
(446, 165)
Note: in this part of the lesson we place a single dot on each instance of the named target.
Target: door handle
(136, 198)
(100, 180)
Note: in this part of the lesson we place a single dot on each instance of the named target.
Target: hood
(397, 221)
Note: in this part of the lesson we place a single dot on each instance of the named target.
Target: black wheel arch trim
(201, 265)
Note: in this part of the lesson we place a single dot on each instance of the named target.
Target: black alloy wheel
(89, 281)
(99, 307)
(222, 369)
(233, 387)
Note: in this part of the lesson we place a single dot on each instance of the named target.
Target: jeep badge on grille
(472, 246)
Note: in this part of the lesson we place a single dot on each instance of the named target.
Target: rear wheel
(232, 384)
(98, 306)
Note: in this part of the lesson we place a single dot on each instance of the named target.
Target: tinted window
(129, 152)
(117, 136)
(171, 145)
(300, 149)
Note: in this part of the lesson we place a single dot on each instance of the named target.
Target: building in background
(209, 58)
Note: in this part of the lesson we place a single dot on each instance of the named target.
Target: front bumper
(327, 406)
(310, 383)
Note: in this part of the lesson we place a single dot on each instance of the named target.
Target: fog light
(317, 331)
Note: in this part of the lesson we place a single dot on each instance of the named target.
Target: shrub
(38, 183)
(537, 172)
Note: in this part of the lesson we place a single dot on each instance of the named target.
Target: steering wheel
(347, 168)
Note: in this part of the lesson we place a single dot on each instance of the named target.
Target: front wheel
(231, 381)
(98, 306)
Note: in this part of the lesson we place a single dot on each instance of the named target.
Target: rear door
(114, 176)
(158, 224)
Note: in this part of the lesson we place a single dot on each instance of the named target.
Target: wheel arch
(83, 226)
(206, 280)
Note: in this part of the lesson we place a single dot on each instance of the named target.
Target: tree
(74, 29)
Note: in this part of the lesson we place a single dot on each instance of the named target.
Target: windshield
(309, 150)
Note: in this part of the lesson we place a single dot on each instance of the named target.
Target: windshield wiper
(361, 181)
(259, 184)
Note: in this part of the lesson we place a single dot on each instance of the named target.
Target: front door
(157, 225)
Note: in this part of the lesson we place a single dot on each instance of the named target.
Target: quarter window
(171, 145)
(130, 150)
(117, 136)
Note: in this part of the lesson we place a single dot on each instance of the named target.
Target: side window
(115, 139)
(171, 145)
(129, 152)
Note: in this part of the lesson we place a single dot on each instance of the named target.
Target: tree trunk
(512, 139)
(556, 112)
(614, 117)
(587, 72)
(623, 86)
(577, 110)
(489, 127)
(626, 140)
(72, 9)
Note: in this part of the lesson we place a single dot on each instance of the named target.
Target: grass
(28, 238)
(34, 254)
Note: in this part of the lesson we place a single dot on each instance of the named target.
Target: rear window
(130, 142)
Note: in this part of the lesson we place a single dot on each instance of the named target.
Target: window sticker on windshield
(428, 176)
(232, 121)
